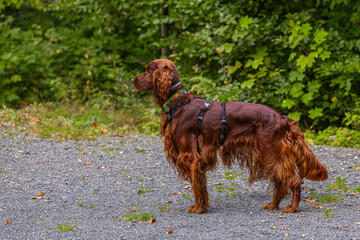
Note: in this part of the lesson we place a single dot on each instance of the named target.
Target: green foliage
(139, 217)
(301, 58)
(337, 137)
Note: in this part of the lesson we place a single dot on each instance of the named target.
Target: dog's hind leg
(279, 194)
(296, 191)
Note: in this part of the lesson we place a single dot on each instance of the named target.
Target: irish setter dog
(267, 143)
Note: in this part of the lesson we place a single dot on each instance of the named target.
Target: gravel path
(94, 185)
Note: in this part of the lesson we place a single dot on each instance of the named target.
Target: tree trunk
(165, 33)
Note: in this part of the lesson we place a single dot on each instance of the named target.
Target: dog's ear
(162, 81)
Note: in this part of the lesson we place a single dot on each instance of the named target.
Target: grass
(134, 209)
(64, 227)
(74, 121)
(357, 189)
(231, 195)
(339, 183)
(329, 198)
(139, 216)
(163, 207)
(144, 189)
(231, 175)
(327, 213)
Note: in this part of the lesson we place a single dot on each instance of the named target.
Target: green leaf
(315, 113)
(295, 116)
(320, 36)
(306, 61)
(248, 83)
(288, 103)
(296, 90)
(239, 34)
(245, 21)
(232, 69)
(306, 98)
(16, 78)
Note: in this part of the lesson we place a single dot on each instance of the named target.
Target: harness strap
(208, 104)
(223, 123)
(172, 112)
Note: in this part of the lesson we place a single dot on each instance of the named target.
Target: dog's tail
(308, 165)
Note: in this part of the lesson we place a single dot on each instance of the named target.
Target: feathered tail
(308, 165)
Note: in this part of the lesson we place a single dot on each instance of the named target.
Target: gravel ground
(93, 185)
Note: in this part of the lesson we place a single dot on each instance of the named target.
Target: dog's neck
(175, 91)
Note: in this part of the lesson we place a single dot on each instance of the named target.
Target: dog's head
(160, 76)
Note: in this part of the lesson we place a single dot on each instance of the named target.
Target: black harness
(203, 110)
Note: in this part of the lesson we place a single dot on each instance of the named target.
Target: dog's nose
(132, 80)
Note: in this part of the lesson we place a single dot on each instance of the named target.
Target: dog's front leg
(198, 185)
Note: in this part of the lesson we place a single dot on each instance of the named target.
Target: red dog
(269, 144)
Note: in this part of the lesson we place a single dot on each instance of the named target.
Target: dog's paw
(270, 206)
(193, 209)
(289, 209)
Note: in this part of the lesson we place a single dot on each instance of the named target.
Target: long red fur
(267, 143)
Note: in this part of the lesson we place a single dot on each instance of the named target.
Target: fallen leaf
(188, 186)
(87, 163)
(310, 200)
(320, 207)
(282, 217)
(218, 183)
(47, 198)
(84, 153)
(288, 229)
(7, 222)
(179, 193)
(20, 151)
(168, 201)
(301, 213)
(152, 220)
(82, 176)
(98, 167)
(169, 232)
(34, 198)
(40, 194)
(286, 235)
(353, 194)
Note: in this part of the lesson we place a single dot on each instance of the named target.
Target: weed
(64, 227)
(4, 171)
(81, 204)
(329, 198)
(219, 201)
(140, 179)
(357, 189)
(251, 195)
(339, 183)
(327, 213)
(139, 150)
(185, 197)
(219, 189)
(91, 206)
(134, 209)
(107, 149)
(231, 175)
(144, 189)
(231, 195)
(139, 217)
(313, 193)
(231, 188)
(163, 207)
(123, 172)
